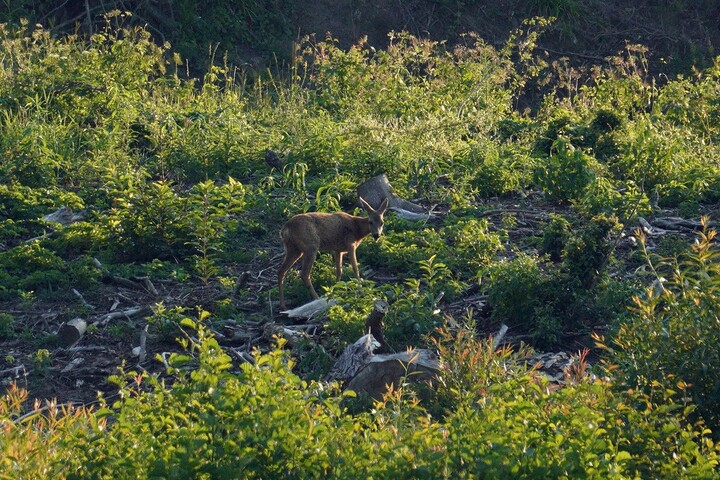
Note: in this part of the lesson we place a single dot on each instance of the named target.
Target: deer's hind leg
(307, 262)
(291, 256)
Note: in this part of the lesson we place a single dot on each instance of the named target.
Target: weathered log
(149, 286)
(311, 309)
(677, 223)
(649, 230)
(71, 332)
(74, 363)
(64, 216)
(378, 188)
(82, 299)
(274, 330)
(130, 312)
(408, 215)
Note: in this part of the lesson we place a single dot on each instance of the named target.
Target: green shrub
(149, 221)
(413, 304)
(567, 173)
(155, 220)
(495, 419)
(499, 171)
(22, 208)
(463, 245)
(346, 319)
(587, 253)
(549, 300)
(623, 200)
(516, 288)
(672, 337)
(32, 268)
(555, 236)
(6, 326)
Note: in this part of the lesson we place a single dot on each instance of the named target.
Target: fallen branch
(50, 405)
(649, 229)
(677, 223)
(87, 348)
(130, 312)
(528, 213)
(311, 309)
(110, 278)
(82, 299)
(14, 370)
(74, 363)
(148, 284)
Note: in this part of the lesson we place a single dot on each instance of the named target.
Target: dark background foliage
(680, 34)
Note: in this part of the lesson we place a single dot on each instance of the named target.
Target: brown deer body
(307, 234)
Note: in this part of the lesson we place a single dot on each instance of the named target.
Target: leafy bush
(496, 418)
(498, 172)
(346, 319)
(549, 300)
(567, 174)
(154, 220)
(672, 339)
(22, 208)
(413, 304)
(33, 268)
(587, 253)
(555, 236)
(6, 326)
(463, 245)
(516, 288)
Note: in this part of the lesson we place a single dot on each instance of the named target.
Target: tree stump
(71, 331)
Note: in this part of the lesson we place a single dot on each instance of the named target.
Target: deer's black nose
(376, 236)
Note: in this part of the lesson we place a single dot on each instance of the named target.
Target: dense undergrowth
(171, 177)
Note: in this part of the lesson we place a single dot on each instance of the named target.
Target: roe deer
(307, 234)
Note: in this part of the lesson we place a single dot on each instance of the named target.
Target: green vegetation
(171, 179)
(262, 421)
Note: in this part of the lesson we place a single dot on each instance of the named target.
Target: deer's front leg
(338, 256)
(353, 260)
